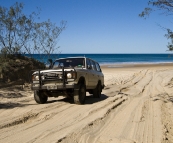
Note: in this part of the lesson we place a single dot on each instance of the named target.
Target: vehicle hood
(53, 70)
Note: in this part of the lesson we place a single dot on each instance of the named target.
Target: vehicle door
(94, 74)
(89, 73)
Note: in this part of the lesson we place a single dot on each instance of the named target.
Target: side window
(98, 67)
(93, 65)
(88, 64)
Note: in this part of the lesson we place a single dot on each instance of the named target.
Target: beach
(136, 106)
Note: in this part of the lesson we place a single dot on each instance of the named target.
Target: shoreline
(136, 65)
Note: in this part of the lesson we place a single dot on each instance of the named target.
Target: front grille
(53, 76)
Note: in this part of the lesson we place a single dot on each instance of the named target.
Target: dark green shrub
(17, 67)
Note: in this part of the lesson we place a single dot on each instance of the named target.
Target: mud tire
(39, 97)
(97, 91)
(80, 95)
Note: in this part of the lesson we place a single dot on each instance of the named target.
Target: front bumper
(53, 87)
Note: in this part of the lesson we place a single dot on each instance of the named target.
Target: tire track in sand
(129, 115)
(133, 122)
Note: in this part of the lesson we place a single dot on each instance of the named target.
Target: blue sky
(103, 26)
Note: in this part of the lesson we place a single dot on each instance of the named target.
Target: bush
(17, 67)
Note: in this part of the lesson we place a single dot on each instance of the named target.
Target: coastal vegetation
(22, 34)
(17, 68)
(166, 7)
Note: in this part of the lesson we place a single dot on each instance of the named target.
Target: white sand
(136, 107)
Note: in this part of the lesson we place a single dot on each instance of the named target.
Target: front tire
(39, 97)
(79, 95)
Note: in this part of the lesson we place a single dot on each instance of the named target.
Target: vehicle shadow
(67, 100)
(89, 99)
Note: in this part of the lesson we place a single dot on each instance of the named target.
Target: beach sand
(136, 106)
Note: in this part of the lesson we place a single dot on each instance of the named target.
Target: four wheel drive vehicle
(70, 77)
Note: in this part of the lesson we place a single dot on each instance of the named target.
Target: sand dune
(136, 106)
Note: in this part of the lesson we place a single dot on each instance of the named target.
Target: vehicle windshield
(70, 62)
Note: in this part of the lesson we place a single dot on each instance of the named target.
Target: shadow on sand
(12, 105)
(89, 100)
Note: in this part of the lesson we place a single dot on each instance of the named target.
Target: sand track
(135, 107)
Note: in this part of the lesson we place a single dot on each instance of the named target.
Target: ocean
(103, 59)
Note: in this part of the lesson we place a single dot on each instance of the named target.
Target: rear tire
(39, 97)
(97, 91)
(79, 95)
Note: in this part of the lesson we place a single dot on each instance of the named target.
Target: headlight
(35, 77)
(71, 75)
(42, 77)
(60, 76)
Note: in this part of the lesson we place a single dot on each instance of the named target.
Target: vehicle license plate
(52, 87)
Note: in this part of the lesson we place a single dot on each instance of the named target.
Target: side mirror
(61, 65)
(89, 67)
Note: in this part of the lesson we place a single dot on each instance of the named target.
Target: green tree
(166, 6)
(15, 28)
(44, 37)
(20, 33)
